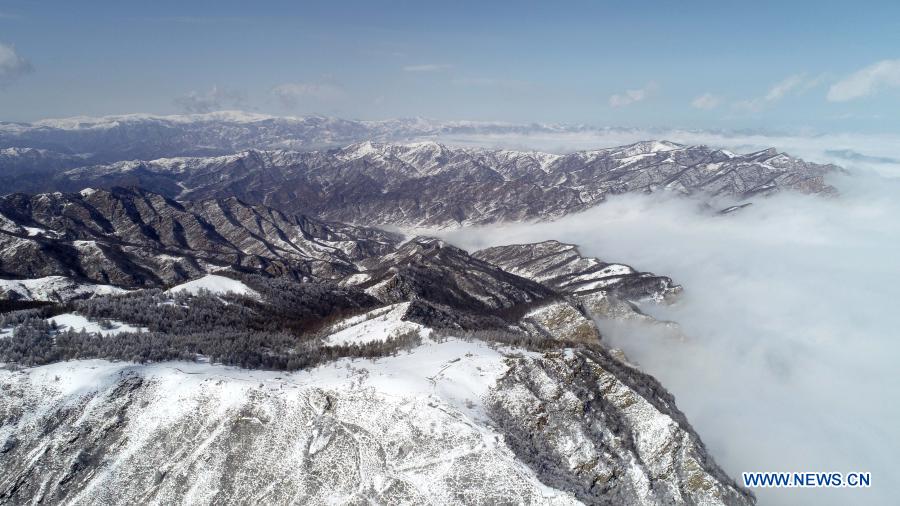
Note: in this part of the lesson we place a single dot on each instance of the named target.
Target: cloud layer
(629, 97)
(706, 101)
(214, 99)
(298, 95)
(427, 67)
(866, 81)
(797, 83)
(790, 313)
(12, 66)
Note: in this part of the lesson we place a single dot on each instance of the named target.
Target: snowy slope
(378, 325)
(405, 429)
(215, 284)
(52, 289)
(77, 322)
(451, 422)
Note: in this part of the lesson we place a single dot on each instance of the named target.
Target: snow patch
(76, 322)
(359, 150)
(215, 284)
(52, 289)
(379, 325)
(34, 231)
(424, 408)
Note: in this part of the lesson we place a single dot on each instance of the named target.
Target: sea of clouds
(792, 312)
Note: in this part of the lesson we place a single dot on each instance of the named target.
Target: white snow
(638, 148)
(544, 160)
(85, 244)
(33, 231)
(53, 289)
(356, 279)
(19, 151)
(378, 325)
(610, 274)
(657, 146)
(615, 270)
(106, 122)
(593, 285)
(359, 150)
(712, 167)
(76, 322)
(455, 372)
(215, 284)
(376, 288)
(635, 158)
(432, 396)
(8, 225)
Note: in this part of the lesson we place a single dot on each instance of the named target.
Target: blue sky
(816, 66)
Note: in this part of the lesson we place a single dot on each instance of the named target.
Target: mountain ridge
(428, 184)
(413, 362)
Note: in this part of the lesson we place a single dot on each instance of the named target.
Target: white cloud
(779, 90)
(797, 83)
(12, 66)
(789, 360)
(215, 99)
(490, 82)
(706, 101)
(632, 96)
(866, 81)
(427, 67)
(292, 95)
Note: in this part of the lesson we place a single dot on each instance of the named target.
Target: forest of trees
(283, 331)
(35, 343)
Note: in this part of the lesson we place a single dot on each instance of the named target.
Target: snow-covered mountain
(427, 184)
(145, 136)
(373, 366)
(449, 422)
(134, 238)
(52, 289)
(421, 372)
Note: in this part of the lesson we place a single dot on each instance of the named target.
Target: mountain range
(196, 308)
(367, 291)
(433, 185)
(144, 136)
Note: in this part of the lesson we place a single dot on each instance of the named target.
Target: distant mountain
(432, 185)
(28, 169)
(137, 136)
